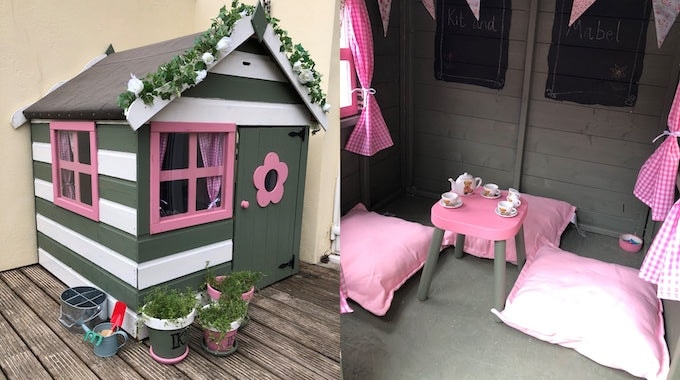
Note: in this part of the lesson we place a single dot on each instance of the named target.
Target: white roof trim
(274, 44)
(140, 113)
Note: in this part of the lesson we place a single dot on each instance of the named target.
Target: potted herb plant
(239, 282)
(220, 321)
(167, 314)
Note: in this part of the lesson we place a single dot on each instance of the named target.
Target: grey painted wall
(586, 155)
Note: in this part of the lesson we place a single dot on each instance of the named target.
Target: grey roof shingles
(92, 94)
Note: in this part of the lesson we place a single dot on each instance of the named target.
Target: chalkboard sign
(472, 51)
(598, 60)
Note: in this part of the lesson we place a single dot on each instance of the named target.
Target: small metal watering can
(116, 320)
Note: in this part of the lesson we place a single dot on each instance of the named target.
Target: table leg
(499, 274)
(520, 248)
(460, 244)
(430, 264)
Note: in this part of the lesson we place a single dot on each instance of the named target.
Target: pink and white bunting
(429, 5)
(577, 9)
(385, 7)
(665, 13)
(474, 7)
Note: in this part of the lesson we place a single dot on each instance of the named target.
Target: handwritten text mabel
(456, 18)
(596, 30)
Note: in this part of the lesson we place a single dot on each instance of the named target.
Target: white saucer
(505, 216)
(498, 194)
(460, 203)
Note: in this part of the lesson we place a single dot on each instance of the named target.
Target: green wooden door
(270, 182)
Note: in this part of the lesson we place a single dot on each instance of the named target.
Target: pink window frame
(74, 205)
(346, 55)
(192, 217)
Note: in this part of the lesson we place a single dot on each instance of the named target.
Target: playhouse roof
(93, 94)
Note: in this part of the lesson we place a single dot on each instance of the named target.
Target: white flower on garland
(212, 44)
(200, 75)
(326, 107)
(208, 58)
(305, 76)
(223, 44)
(135, 85)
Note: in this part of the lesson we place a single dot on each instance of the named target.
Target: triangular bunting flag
(385, 6)
(665, 12)
(474, 7)
(578, 8)
(429, 5)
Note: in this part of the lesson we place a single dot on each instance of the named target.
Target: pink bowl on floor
(630, 243)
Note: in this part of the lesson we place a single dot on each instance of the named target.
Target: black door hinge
(290, 263)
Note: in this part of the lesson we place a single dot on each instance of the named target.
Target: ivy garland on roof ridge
(190, 68)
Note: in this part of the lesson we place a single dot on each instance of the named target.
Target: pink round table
(476, 217)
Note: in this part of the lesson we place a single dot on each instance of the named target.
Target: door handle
(245, 204)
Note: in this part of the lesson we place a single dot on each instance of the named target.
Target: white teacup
(450, 199)
(514, 198)
(490, 190)
(512, 191)
(506, 208)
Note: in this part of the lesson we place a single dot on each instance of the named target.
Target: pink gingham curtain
(66, 148)
(212, 146)
(344, 306)
(162, 147)
(371, 134)
(662, 262)
(655, 185)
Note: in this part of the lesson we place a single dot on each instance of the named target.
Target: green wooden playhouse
(126, 201)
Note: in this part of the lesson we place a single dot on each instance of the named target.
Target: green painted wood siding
(228, 87)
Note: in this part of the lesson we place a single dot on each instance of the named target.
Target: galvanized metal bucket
(82, 305)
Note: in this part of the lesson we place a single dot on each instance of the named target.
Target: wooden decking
(293, 333)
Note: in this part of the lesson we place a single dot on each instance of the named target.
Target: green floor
(453, 335)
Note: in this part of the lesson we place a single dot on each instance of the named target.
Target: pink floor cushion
(602, 310)
(546, 221)
(378, 254)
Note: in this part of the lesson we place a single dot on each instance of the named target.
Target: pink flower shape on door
(265, 192)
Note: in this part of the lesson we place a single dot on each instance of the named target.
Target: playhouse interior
(579, 307)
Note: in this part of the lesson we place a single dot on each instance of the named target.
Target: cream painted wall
(45, 42)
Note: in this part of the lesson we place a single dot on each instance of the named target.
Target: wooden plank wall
(382, 173)
(586, 155)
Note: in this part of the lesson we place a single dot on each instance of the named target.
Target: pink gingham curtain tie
(667, 133)
(365, 92)
(655, 185)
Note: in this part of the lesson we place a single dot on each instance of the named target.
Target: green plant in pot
(220, 321)
(238, 282)
(167, 314)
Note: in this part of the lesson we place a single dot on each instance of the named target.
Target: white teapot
(465, 184)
